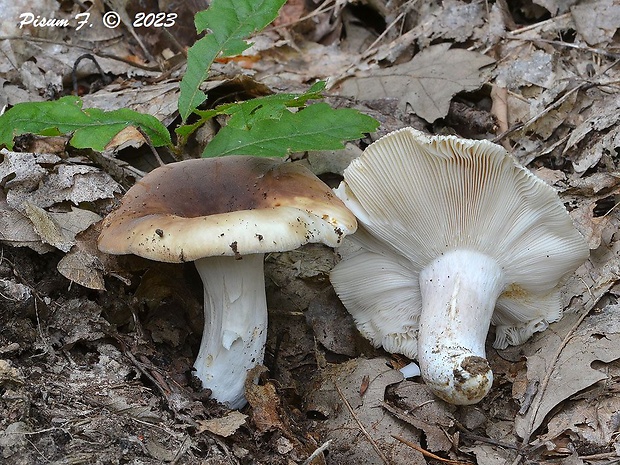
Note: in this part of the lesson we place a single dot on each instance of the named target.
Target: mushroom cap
(417, 197)
(226, 206)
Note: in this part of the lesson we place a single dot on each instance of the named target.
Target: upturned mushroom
(224, 214)
(454, 235)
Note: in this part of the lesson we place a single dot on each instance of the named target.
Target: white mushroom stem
(459, 290)
(235, 328)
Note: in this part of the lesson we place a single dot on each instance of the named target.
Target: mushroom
(224, 214)
(453, 236)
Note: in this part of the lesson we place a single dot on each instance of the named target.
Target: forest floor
(96, 351)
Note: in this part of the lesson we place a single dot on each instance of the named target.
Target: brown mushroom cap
(230, 206)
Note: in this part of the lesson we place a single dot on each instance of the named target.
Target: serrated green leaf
(244, 113)
(91, 127)
(316, 127)
(230, 22)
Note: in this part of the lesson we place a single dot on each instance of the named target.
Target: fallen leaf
(265, 402)
(427, 413)
(427, 82)
(602, 115)
(340, 382)
(74, 183)
(18, 231)
(59, 229)
(596, 20)
(332, 325)
(46, 228)
(530, 68)
(24, 169)
(82, 268)
(596, 340)
(77, 320)
(456, 20)
(595, 420)
(224, 426)
(555, 6)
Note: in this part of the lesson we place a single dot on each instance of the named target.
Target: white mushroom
(454, 236)
(225, 214)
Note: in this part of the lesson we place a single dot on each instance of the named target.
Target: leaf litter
(107, 375)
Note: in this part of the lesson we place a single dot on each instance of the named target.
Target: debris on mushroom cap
(232, 206)
(418, 198)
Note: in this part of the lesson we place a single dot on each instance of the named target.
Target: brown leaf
(265, 403)
(327, 399)
(597, 339)
(427, 82)
(224, 426)
(596, 20)
(82, 268)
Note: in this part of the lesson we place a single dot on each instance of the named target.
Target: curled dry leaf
(59, 229)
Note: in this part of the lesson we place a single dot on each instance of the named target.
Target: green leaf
(91, 127)
(244, 113)
(229, 23)
(316, 127)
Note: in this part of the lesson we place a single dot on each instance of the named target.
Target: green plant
(274, 125)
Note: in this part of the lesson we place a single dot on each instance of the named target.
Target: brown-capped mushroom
(224, 214)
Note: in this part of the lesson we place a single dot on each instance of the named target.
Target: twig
(428, 454)
(142, 368)
(182, 449)
(383, 34)
(148, 141)
(598, 51)
(90, 49)
(538, 25)
(604, 455)
(361, 427)
(469, 435)
(323, 8)
(317, 452)
(535, 118)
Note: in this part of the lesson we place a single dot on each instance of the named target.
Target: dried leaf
(78, 320)
(427, 82)
(266, 405)
(224, 426)
(598, 339)
(24, 169)
(59, 229)
(596, 20)
(332, 325)
(350, 445)
(82, 268)
(529, 68)
(427, 413)
(456, 20)
(17, 229)
(45, 227)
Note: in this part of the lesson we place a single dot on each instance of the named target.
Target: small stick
(317, 452)
(538, 25)
(428, 454)
(147, 139)
(361, 427)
